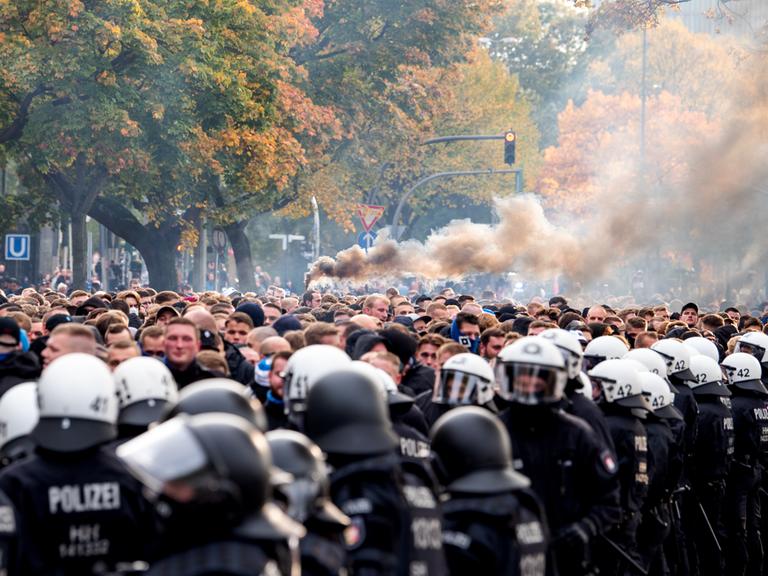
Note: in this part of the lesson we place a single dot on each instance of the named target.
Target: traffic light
(510, 140)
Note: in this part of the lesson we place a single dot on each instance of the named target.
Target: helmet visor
(530, 383)
(590, 362)
(457, 388)
(167, 453)
(572, 362)
(751, 349)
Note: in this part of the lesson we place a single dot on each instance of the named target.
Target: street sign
(219, 239)
(369, 215)
(17, 246)
(366, 239)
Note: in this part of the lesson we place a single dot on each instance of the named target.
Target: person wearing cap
(16, 366)
(690, 314)
(494, 524)
(78, 507)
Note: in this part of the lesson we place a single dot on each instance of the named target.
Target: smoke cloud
(717, 211)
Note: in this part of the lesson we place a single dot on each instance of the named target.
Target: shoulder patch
(608, 462)
(354, 534)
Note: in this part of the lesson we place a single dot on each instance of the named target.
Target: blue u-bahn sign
(17, 246)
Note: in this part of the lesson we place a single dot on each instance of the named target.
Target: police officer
(744, 553)
(712, 460)
(571, 471)
(678, 359)
(574, 400)
(145, 390)
(493, 524)
(617, 389)
(396, 521)
(665, 465)
(18, 417)
(464, 380)
(210, 477)
(307, 500)
(413, 444)
(78, 508)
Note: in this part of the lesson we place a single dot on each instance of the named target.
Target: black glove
(572, 545)
(573, 536)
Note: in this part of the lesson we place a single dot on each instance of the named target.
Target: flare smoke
(718, 211)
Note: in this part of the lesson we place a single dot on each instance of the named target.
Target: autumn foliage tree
(599, 153)
(134, 112)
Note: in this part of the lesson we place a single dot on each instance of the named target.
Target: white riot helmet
(465, 379)
(755, 343)
(704, 346)
(708, 377)
(18, 416)
(305, 367)
(658, 393)
(618, 382)
(570, 347)
(603, 348)
(78, 404)
(677, 357)
(649, 358)
(531, 371)
(145, 387)
(743, 371)
(386, 385)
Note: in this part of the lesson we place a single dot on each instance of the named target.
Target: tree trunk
(161, 265)
(79, 251)
(157, 245)
(242, 249)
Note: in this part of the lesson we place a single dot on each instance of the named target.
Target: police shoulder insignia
(354, 535)
(609, 462)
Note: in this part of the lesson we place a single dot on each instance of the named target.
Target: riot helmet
(603, 348)
(219, 395)
(305, 367)
(704, 346)
(531, 371)
(465, 379)
(617, 382)
(659, 394)
(708, 377)
(308, 493)
(677, 357)
(213, 470)
(756, 344)
(78, 404)
(473, 453)
(743, 371)
(570, 347)
(18, 417)
(347, 415)
(145, 387)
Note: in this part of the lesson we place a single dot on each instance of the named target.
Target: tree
(544, 44)
(598, 154)
(696, 67)
(135, 100)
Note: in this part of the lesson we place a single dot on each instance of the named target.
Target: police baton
(624, 554)
(709, 525)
